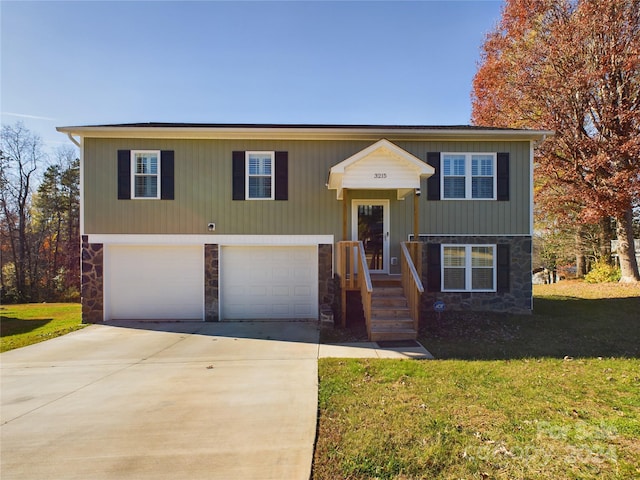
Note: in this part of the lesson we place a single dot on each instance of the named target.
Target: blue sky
(382, 62)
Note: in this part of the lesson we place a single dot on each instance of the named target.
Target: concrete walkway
(373, 350)
(168, 401)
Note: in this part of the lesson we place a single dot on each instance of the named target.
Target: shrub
(602, 272)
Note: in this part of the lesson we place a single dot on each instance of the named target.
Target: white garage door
(154, 283)
(269, 283)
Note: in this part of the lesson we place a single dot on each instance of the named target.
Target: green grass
(546, 396)
(570, 318)
(26, 324)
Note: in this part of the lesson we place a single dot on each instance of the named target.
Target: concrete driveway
(162, 400)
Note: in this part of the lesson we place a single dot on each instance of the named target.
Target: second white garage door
(269, 283)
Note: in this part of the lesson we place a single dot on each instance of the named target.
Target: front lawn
(570, 318)
(545, 396)
(25, 324)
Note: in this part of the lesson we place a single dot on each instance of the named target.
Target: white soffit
(381, 166)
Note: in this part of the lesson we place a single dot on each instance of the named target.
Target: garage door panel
(302, 311)
(280, 291)
(281, 309)
(268, 282)
(281, 274)
(301, 291)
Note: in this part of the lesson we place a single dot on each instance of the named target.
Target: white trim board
(429, 235)
(262, 240)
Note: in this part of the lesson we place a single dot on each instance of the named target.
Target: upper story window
(260, 175)
(468, 176)
(468, 268)
(145, 173)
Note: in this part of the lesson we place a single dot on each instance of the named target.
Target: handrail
(366, 287)
(412, 268)
(364, 268)
(411, 282)
(354, 275)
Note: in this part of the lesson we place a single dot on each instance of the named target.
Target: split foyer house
(215, 222)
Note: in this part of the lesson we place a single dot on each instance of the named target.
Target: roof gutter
(301, 133)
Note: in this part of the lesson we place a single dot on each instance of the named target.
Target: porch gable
(381, 166)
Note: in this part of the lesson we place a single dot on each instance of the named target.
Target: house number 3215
(379, 175)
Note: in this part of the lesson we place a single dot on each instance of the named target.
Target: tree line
(40, 219)
(572, 66)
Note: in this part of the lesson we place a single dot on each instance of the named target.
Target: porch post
(416, 214)
(345, 211)
(342, 256)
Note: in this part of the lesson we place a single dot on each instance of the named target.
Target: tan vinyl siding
(203, 191)
(483, 217)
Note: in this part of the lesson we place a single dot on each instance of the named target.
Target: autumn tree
(20, 157)
(56, 226)
(572, 66)
(39, 219)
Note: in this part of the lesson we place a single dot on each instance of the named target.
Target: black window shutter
(433, 267)
(282, 176)
(503, 176)
(433, 182)
(166, 175)
(124, 174)
(503, 264)
(238, 175)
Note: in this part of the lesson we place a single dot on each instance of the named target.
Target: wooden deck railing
(352, 268)
(411, 283)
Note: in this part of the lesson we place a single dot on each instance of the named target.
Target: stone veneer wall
(211, 283)
(92, 296)
(517, 300)
(326, 290)
(92, 280)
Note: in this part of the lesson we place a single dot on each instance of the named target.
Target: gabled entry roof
(381, 166)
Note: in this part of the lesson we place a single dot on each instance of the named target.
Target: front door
(370, 225)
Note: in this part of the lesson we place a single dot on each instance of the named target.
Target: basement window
(468, 268)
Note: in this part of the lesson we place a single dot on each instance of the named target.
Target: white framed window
(260, 178)
(468, 268)
(145, 173)
(468, 176)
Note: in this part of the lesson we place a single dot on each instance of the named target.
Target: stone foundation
(92, 281)
(211, 283)
(326, 290)
(518, 298)
(93, 269)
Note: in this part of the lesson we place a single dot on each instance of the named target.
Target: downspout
(73, 140)
(538, 142)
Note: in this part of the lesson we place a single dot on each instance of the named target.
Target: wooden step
(387, 292)
(390, 315)
(390, 312)
(399, 322)
(382, 333)
(389, 302)
(386, 281)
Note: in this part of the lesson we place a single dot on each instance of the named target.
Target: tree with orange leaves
(572, 66)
